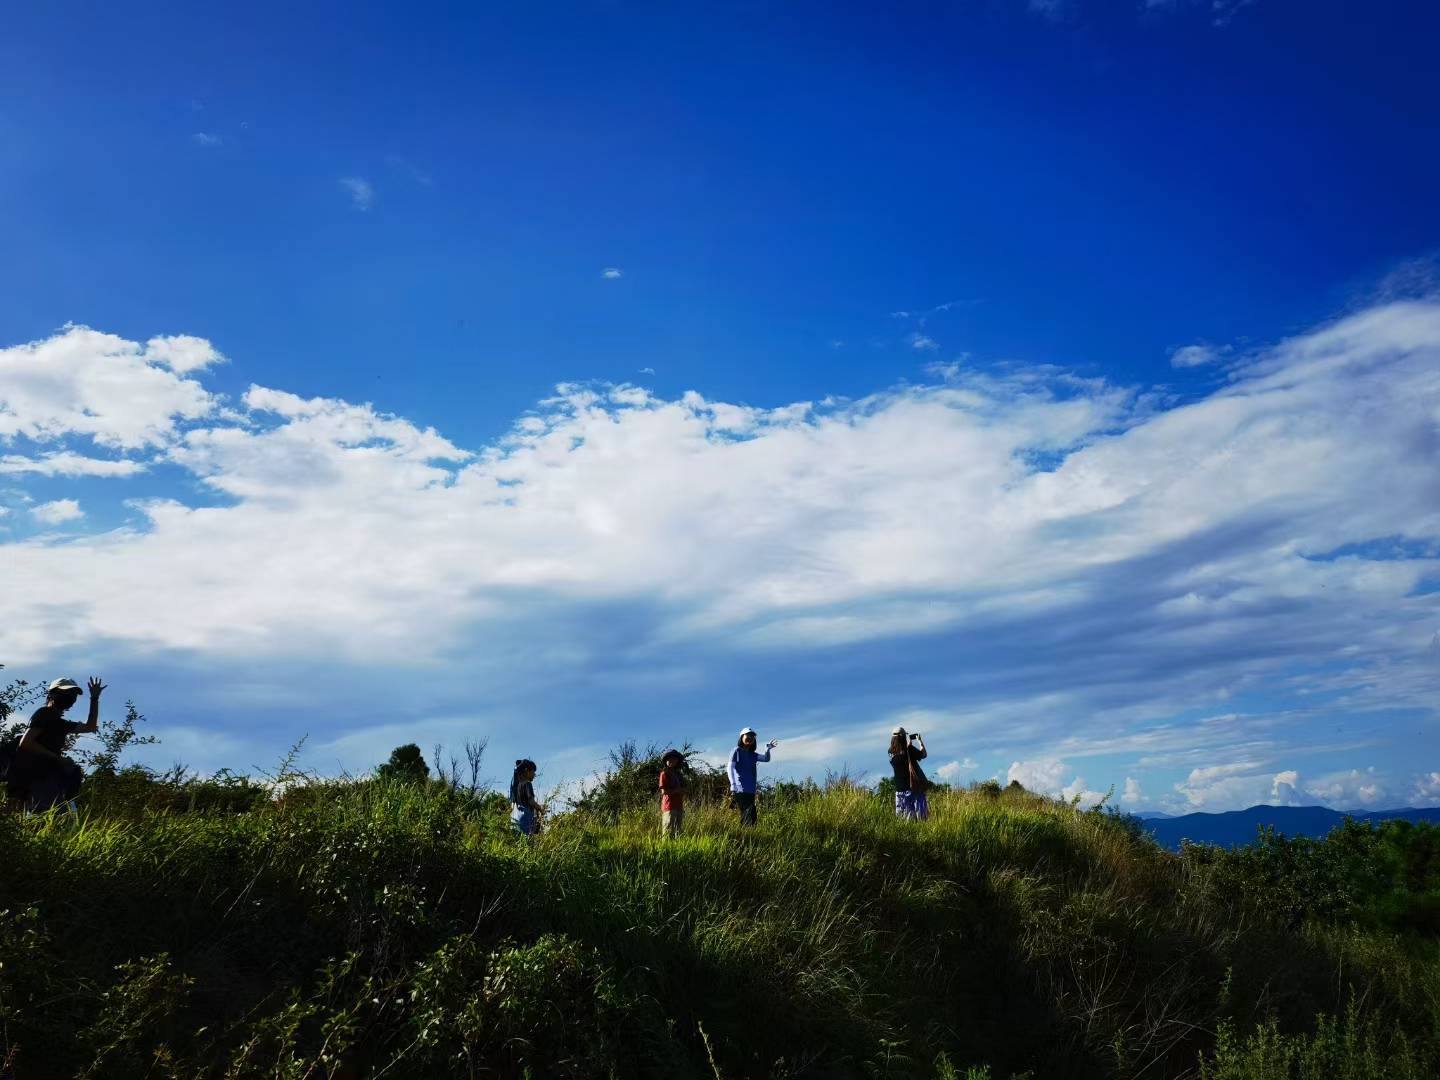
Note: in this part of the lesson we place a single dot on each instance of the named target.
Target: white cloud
(68, 463)
(360, 190)
(85, 383)
(1427, 789)
(616, 539)
(611, 273)
(923, 343)
(57, 512)
(1132, 795)
(1190, 356)
(1352, 789)
(951, 771)
(203, 138)
(1240, 784)
(1045, 775)
(182, 353)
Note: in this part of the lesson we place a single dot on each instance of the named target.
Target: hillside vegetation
(396, 927)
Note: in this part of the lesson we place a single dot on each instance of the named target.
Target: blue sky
(1047, 276)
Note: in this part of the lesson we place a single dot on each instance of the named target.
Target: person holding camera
(41, 776)
(906, 752)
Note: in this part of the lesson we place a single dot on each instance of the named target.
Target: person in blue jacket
(742, 773)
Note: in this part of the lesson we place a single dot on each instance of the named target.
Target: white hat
(897, 731)
(62, 684)
(746, 731)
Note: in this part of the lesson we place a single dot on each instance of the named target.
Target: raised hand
(96, 686)
(772, 744)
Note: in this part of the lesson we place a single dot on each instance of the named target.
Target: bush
(631, 783)
(1382, 876)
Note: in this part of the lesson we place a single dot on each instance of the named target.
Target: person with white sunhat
(906, 752)
(41, 776)
(742, 773)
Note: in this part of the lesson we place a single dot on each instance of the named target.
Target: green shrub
(1352, 1048)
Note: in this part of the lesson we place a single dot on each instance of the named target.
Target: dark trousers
(49, 784)
(745, 800)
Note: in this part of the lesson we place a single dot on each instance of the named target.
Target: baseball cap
(747, 731)
(897, 731)
(62, 684)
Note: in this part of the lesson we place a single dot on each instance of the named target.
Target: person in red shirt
(672, 793)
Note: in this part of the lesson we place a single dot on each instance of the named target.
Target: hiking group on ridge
(38, 775)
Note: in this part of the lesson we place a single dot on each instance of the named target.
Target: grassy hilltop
(395, 928)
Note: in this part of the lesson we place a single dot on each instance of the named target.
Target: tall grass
(402, 930)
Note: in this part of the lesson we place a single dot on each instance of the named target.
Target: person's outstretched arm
(92, 723)
(919, 748)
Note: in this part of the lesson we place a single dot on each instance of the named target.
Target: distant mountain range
(1237, 827)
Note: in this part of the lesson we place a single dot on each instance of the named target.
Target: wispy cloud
(1054, 10)
(69, 463)
(57, 512)
(410, 169)
(612, 273)
(1224, 11)
(205, 138)
(923, 342)
(1221, 12)
(360, 190)
(1190, 356)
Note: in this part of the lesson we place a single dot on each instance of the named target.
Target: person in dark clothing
(41, 776)
(525, 810)
(906, 752)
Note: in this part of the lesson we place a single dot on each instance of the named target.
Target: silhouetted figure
(41, 776)
(906, 752)
(742, 773)
(525, 809)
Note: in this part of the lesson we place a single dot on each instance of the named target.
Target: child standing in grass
(672, 793)
(525, 809)
(910, 780)
(742, 773)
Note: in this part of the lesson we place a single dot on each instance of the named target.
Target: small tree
(406, 764)
(13, 698)
(115, 738)
(631, 782)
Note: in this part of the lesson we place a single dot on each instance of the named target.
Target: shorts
(671, 821)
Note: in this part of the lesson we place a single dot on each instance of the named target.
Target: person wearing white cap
(742, 773)
(41, 775)
(910, 780)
